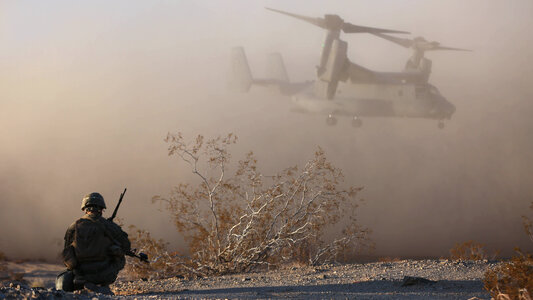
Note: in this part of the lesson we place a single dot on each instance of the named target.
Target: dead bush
(471, 250)
(528, 224)
(389, 259)
(240, 222)
(162, 263)
(513, 279)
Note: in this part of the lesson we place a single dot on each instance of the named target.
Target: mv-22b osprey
(343, 88)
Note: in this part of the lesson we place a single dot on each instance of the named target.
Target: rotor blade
(448, 48)
(315, 21)
(351, 28)
(407, 43)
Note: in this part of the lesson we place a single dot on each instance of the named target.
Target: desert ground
(402, 279)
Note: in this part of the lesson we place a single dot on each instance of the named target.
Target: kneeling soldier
(94, 250)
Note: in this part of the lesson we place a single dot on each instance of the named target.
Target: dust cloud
(89, 90)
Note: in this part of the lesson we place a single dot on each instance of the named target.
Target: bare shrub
(389, 259)
(240, 222)
(528, 224)
(470, 250)
(162, 263)
(513, 279)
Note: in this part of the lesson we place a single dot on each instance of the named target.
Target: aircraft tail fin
(276, 68)
(240, 75)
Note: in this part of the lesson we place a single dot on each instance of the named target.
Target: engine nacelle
(327, 82)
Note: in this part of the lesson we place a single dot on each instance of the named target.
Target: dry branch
(247, 220)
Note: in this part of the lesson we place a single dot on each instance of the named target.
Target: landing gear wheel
(331, 120)
(441, 125)
(357, 122)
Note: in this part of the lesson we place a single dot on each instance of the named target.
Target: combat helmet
(92, 199)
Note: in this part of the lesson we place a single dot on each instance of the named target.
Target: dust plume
(89, 90)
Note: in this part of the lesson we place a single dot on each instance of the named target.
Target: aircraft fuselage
(378, 100)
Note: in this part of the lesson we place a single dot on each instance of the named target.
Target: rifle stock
(141, 256)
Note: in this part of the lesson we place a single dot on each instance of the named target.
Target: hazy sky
(89, 89)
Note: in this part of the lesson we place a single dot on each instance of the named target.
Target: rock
(409, 280)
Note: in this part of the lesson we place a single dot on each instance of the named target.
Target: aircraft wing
(359, 74)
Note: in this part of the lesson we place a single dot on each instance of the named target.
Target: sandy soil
(383, 280)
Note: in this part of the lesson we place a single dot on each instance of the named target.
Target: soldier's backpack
(91, 242)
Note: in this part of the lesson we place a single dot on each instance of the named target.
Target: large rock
(409, 280)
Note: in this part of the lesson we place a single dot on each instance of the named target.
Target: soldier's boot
(65, 281)
(78, 281)
(78, 284)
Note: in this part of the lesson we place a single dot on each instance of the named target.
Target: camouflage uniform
(94, 250)
(99, 246)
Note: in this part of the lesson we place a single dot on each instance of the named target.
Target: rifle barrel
(118, 205)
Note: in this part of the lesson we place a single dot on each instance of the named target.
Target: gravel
(380, 280)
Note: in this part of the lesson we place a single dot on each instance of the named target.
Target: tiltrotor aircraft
(343, 88)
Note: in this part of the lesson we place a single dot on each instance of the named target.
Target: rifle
(118, 205)
(143, 257)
